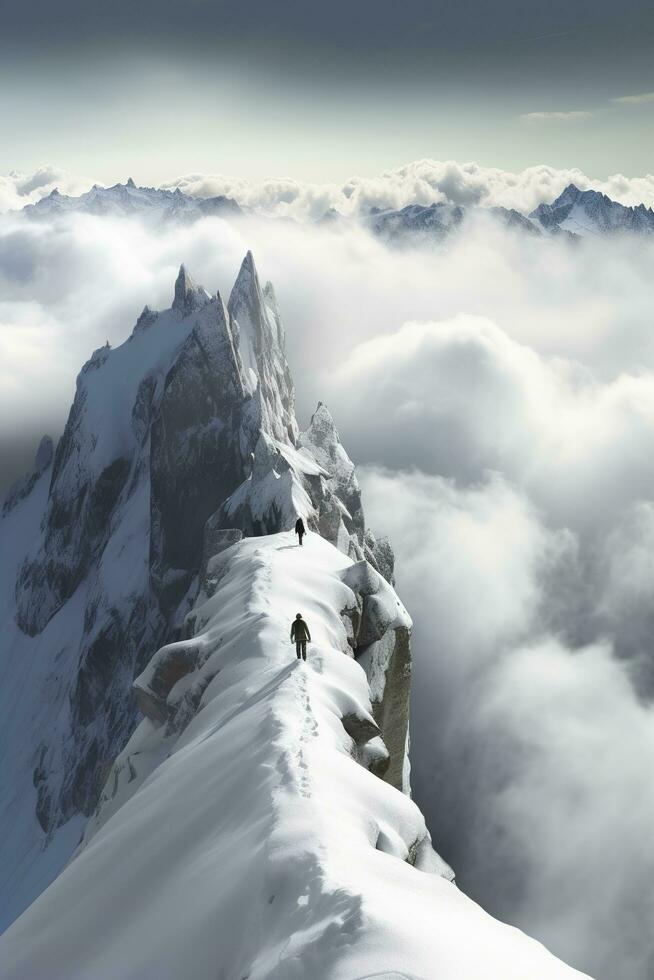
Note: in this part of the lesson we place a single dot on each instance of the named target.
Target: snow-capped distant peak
(589, 212)
(151, 204)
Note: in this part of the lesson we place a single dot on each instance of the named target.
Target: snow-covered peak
(152, 204)
(188, 296)
(103, 543)
(246, 306)
(106, 537)
(257, 326)
(324, 441)
(570, 195)
(590, 212)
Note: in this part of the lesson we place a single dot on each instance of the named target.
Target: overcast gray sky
(323, 91)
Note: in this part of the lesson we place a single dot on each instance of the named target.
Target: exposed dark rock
(378, 630)
(391, 657)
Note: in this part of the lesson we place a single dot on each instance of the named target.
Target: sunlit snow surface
(254, 845)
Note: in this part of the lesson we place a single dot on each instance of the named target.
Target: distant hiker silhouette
(300, 634)
(300, 529)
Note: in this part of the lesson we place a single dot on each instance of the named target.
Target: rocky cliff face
(182, 438)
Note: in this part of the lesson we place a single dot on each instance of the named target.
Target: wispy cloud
(641, 99)
(537, 117)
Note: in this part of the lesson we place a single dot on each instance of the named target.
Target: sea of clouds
(499, 395)
(418, 182)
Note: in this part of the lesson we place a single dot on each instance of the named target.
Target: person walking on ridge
(300, 634)
(300, 529)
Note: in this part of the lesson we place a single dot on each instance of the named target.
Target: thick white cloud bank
(531, 741)
(68, 286)
(418, 182)
(500, 391)
(530, 571)
(19, 189)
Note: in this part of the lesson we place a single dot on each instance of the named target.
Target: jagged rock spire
(146, 319)
(246, 306)
(255, 318)
(188, 295)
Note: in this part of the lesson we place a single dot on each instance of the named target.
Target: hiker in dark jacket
(300, 634)
(300, 529)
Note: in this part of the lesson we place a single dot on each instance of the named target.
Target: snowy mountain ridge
(573, 213)
(103, 543)
(153, 204)
(241, 813)
(244, 830)
(592, 213)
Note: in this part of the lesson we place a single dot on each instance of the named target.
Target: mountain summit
(218, 807)
(592, 213)
(191, 418)
(151, 204)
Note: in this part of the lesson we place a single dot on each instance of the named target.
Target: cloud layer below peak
(419, 182)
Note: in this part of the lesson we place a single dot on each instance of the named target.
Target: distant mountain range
(574, 213)
(127, 200)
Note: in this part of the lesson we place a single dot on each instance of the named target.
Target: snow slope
(247, 837)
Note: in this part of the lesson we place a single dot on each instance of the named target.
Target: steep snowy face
(150, 204)
(101, 546)
(590, 212)
(243, 830)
